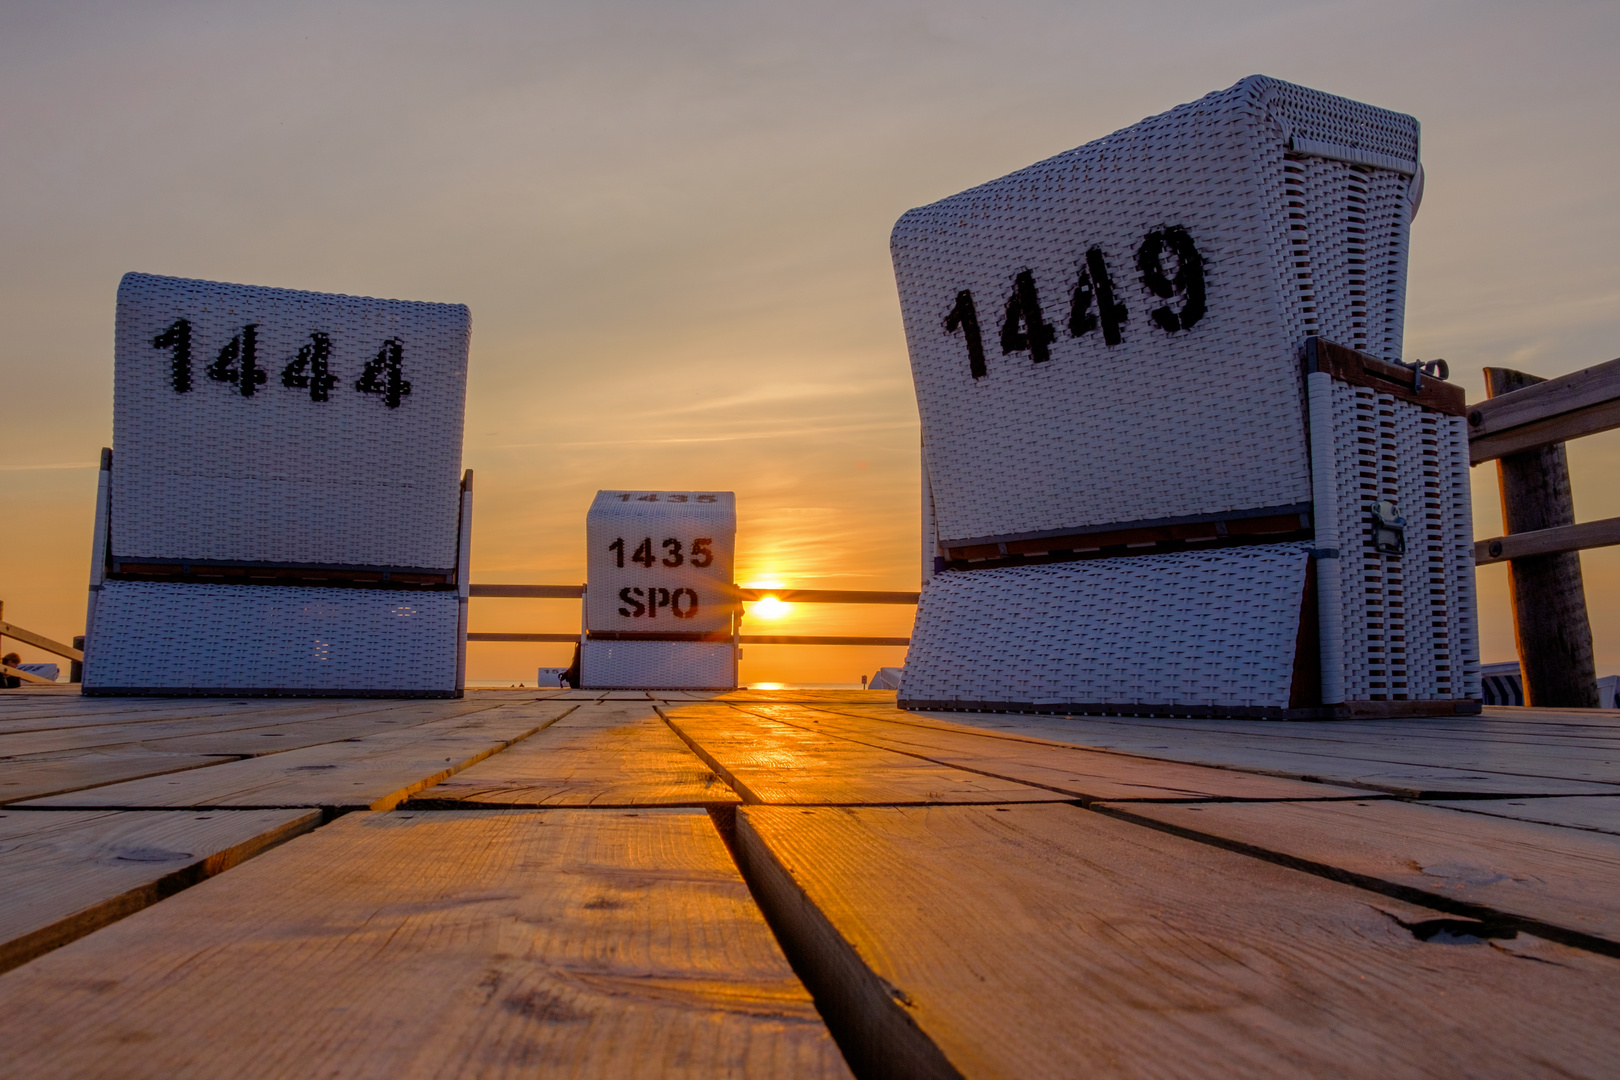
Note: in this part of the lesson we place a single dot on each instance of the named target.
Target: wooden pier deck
(799, 884)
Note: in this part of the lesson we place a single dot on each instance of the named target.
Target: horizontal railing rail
(25, 676)
(742, 639)
(1582, 537)
(1583, 402)
(38, 641)
(788, 596)
(1547, 413)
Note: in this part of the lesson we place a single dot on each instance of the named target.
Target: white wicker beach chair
(283, 510)
(660, 606)
(1151, 482)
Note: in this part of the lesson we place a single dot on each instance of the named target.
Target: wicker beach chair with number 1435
(660, 607)
(283, 510)
(1173, 462)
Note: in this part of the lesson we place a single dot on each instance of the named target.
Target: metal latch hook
(1388, 528)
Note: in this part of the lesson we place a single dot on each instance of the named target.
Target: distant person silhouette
(11, 659)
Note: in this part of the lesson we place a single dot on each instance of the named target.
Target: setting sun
(768, 607)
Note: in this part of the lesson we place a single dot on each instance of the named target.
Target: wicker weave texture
(1209, 628)
(239, 466)
(658, 665)
(660, 561)
(1298, 204)
(257, 637)
(1410, 625)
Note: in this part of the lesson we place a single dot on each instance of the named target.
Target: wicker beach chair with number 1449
(1173, 463)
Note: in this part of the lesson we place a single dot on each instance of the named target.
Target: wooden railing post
(1550, 626)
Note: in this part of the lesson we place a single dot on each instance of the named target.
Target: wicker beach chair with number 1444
(283, 511)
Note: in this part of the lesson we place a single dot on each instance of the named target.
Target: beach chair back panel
(1113, 335)
(157, 637)
(660, 564)
(1184, 633)
(260, 425)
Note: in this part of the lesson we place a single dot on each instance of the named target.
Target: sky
(671, 221)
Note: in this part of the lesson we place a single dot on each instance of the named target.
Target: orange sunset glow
(671, 225)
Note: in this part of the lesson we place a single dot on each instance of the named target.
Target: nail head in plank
(1554, 541)
(1050, 941)
(1560, 877)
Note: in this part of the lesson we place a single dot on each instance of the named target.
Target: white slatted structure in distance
(660, 607)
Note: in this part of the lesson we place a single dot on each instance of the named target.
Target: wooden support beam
(39, 641)
(1590, 534)
(1537, 413)
(1550, 625)
(25, 676)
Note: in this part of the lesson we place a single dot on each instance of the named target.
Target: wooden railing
(38, 641)
(788, 596)
(1523, 427)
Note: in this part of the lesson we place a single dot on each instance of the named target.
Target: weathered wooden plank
(54, 711)
(377, 772)
(1552, 432)
(1084, 774)
(1582, 537)
(1049, 941)
(1558, 877)
(27, 677)
(37, 712)
(769, 762)
(563, 943)
(70, 872)
(1527, 752)
(244, 732)
(1598, 813)
(1516, 771)
(1363, 369)
(1531, 414)
(1545, 399)
(38, 641)
(604, 755)
(44, 775)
